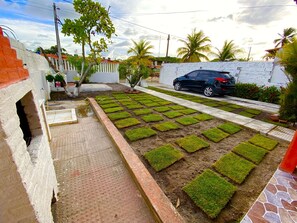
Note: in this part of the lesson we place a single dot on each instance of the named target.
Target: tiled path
(94, 185)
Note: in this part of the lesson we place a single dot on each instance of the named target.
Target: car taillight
(221, 80)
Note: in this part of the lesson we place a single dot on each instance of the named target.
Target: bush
(270, 94)
(288, 104)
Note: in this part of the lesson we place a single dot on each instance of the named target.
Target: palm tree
(228, 52)
(195, 47)
(141, 51)
(286, 37)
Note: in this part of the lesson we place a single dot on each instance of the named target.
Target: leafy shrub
(288, 104)
(269, 94)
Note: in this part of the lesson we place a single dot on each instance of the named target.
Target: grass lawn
(211, 104)
(109, 105)
(172, 114)
(105, 101)
(226, 108)
(235, 106)
(166, 126)
(203, 117)
(250, 152)
(215, 135)
(118, 115)
(234, 167)
(230, 127)
(123, 123)
(144, 111)
(187, 120)
(114, 109)
(263, 142)
(188, 111)
(177, 107)
(192, 143)
(162, 157)
(210, 192)
(246, 114)
(164, 102)
(139, 133)
(152, 118)
(153, 104)
(134, 106)
(253, 111)
(162, 109)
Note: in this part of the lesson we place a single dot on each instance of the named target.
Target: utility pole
(248, 58)
(168, 39)
(61, 67)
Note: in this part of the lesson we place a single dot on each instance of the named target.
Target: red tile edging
(162, 208)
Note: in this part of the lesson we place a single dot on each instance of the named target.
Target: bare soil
(175, 177)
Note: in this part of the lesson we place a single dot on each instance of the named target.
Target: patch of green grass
(177, 107)
(246, 114)
(127, 102)
(134, 106)
(162, 109)
(210, 192)
(152, 118)
(211, 104)
(123, 123)
(139, 133)
(164, 102)
(172, 114)
(187, 120)
(163, 157)
(188, 111)
(285, 125)
(114, 109)
(153, 104)
(145, 101)
(166, 126)
(118, 115)
(234, 167)
(263, 142)
(203, 117)
(142, 111)
(253, 111)
(109, 105)
(230, 128)
(192, 143)
(250, 152)
(235, 106)
(223, 103)
(215, 135)
(226, 108)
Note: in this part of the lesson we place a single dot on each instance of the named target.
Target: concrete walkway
(94, 184)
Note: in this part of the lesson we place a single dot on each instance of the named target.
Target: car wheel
(208, 91)
(177, 86)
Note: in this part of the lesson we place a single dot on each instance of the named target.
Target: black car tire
(177, 86)
(208, 91)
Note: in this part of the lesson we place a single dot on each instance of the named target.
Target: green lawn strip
(203, 117)
(226, 108)
(285, 125)
(103, 98)
(134, 106)
(152, 118)
(139, 133)
(172, 114)
(263, 142)
(163, 157)
(127, 102)
(253, 111)
(152, 104)
(123, 123)
(246, 114)
(166, 126)
(118, 115)
(142, 111)
(114, 109)
(210, 192)
(187, 111)
(211, 104)
(164, 102)
(176, 107)
(144, 102)
(162, 109)
(235, 106)
(250, 152)
(215, 134)
(187, 120)
(223, 103)
(230, 127)
(234, 167)
(109, 105)
(192, 143)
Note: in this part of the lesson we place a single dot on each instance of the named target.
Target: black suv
(210, 82)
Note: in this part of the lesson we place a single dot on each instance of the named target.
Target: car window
(192, 75)
(203, 74)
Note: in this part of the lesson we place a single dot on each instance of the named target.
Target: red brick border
(155, 198)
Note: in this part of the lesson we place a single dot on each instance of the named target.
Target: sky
(251, 24)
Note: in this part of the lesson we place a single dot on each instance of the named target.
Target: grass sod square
(152, 118)
(235, 106)
(187, 111)
(230, 128)
(246, 114)
(134, 106)
(192, 143)
(250, 152)
(162, 109)
(172, 114)
(166, 126)
(211, 104)
(187, 120)
(114, 109)
(153, 104)
(203, 117)
(164, 103)
(263, 142)
(234, 167)
(118, 115)
(215, 134)
(123, 123)
(176, 107)
(144, 111)
(210, 192)
(163, 157)
(109, 105)
(253, 111)
(226, 108)
(104, 102)
(140, 133)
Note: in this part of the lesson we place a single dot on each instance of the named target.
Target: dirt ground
(173, 178)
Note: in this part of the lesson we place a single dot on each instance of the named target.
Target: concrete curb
(159, 204)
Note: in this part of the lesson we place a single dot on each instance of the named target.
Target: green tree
(141, 52)
(51, 50)
(228, 52)
(94, 21)
(195, 47)
(286, 37)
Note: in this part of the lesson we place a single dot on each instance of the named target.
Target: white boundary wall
(260, 73)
